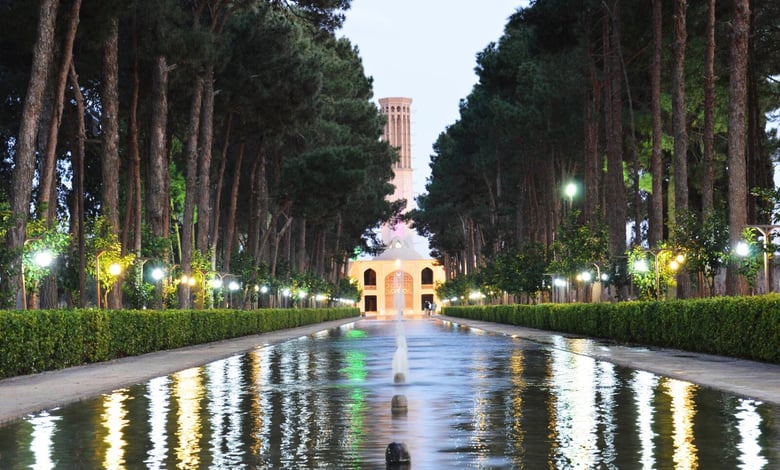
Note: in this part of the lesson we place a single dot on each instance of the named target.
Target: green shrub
(39, 340)
(740, 327)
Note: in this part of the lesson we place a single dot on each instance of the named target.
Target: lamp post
(232, 287)
(674, 265)
(559, 283)
(766, 231)
(42, 259)
(114, 269)
(263, 291)
(570, 190)
(158, 274)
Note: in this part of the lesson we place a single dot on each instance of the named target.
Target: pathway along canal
(474, 400)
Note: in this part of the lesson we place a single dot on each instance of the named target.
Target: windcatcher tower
(399, 269)
(398, 133)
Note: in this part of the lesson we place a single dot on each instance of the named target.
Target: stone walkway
(20, 396)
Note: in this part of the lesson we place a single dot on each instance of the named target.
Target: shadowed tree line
(205, 137)
(655, 110)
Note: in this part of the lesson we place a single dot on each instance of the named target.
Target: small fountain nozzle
(399, 405)
(397, 454)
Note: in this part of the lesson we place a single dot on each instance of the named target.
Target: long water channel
(474, 400)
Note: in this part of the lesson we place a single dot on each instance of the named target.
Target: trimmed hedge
(740, 327)
(39, 340)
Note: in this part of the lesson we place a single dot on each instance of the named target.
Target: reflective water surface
(475, 400)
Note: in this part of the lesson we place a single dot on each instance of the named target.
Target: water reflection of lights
(480, 437)
(644, 384)
(44, 426)
(607, 384)
(683, 410)
(356, 371)
(572, 378)
(261, 423)
(330, 400)
(583, 417)
(516, 369)
(188, 391)
(157, 393)
(114, 419)
(750, 432)
(225, 380)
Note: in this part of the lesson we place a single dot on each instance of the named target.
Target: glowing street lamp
(742, 249)
(674, 264)
(114, 269)
(232, 287)
(42, 259)
(570, 190)
(157, 274)
(766, 232)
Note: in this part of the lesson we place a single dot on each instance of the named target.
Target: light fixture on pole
(766, 232)
(570, 190)
(114, 269)
(42, 259)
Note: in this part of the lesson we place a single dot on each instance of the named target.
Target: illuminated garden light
(115, 269)
(743, 249)
(640, 265)
(157, 274)
(43, 258)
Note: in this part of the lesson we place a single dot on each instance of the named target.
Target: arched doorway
(395, 283)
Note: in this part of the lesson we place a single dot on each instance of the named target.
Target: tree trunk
(735, 284)
(157, 181)
(656, 212)
(678, 109)
(131, 233)
(709, 112)
(230, 223)
(204, 177)
(217, 210)
(616, 193)
(47, 189)
(24, 161)
(759, 164)
(591, 145)
(79, 177)
(47, 186)
(301, 248)
(191, 190)
(110, 124)
(679, 126)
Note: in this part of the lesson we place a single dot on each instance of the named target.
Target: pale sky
(425, 50)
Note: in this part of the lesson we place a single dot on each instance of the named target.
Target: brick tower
(399, 269)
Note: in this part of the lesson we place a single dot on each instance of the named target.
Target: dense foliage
(567, 95)
(211, 139)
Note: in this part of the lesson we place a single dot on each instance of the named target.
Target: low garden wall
(740, 327)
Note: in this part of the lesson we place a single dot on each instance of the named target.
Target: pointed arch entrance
(395, 282)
